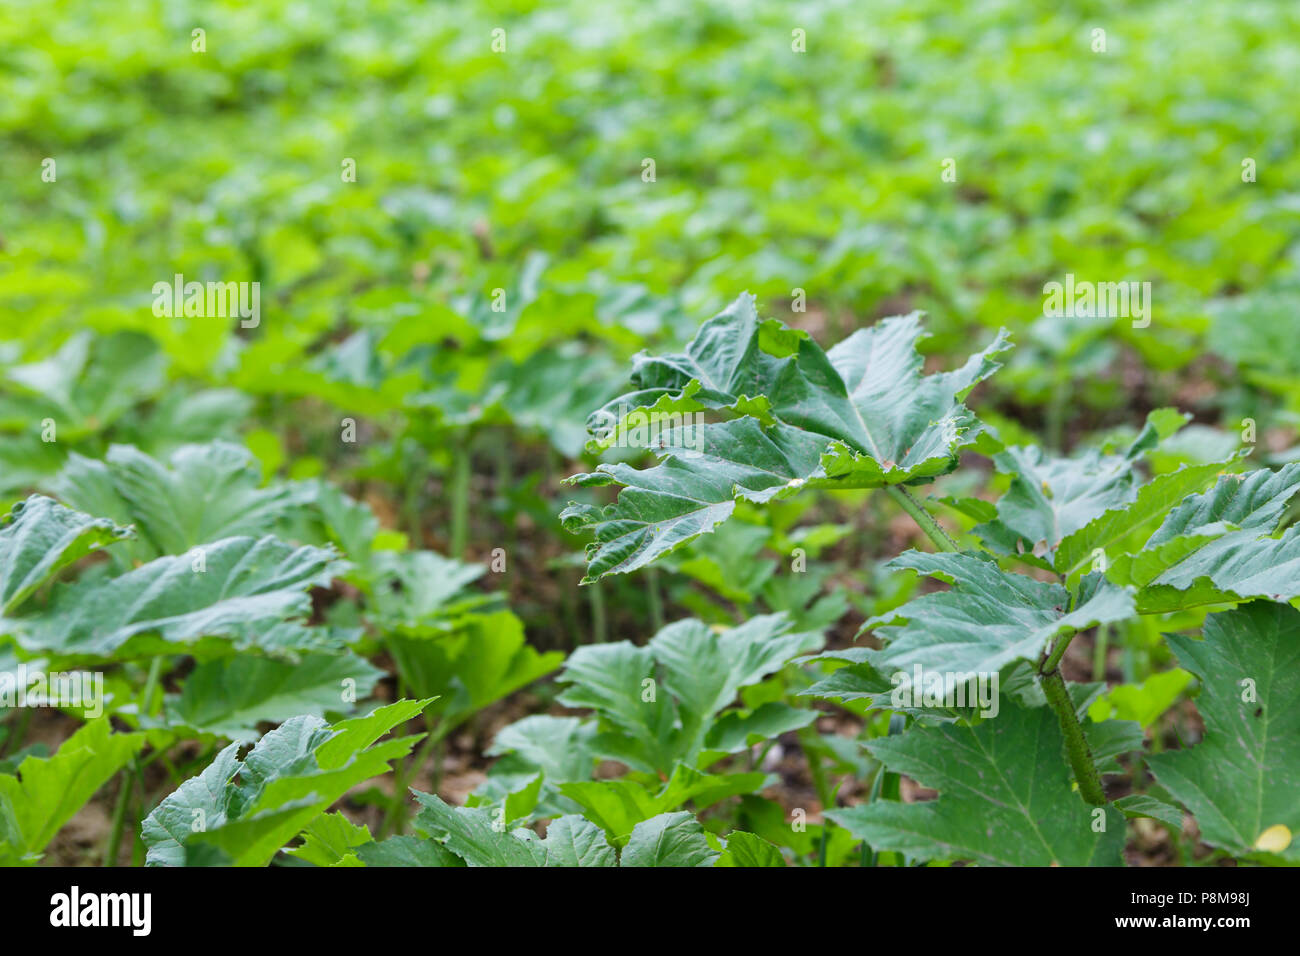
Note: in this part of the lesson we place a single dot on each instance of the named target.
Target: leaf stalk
(924, 520)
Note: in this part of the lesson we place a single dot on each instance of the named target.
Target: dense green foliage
(768, 285)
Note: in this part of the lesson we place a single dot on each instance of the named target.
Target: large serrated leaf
(1217, 547)
(859, 416)
(203, 493)
(477, 837)
(1242, 779)
(988, 619)
(1153, 500)
(1052, 498)
(286, 781)
(235, 589)
(661, 701)
(1006, 797)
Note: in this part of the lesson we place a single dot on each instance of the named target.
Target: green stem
(1076, 744)
(416, 473)
(126, 781)
(460, 501)
(808, 739)
(150, 683)
(1099, 650)
(408, 770)
(924, 520)
(599, 627)
(654, 598)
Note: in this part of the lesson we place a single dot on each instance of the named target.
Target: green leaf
(1052, 498)
(1241, 779)
(230, 696)
(47, 792)
(332, 840)
(658, 703)
(407, 851)
(988, 619)
(1006, 797)
(1153, 500)
(476, 837)
(38, 538)
(672, 839)
(560, 747)
(290, 777)
(619, 805)
(736, 730)
(246, 585)
(573, 841)
(746, 849)
(859, 416)
(1143, 702)
(421, 593)
(485, 659)
(1141, 805)
(203, 493)
(1215, 547)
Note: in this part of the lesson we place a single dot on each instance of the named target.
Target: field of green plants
(649, 434)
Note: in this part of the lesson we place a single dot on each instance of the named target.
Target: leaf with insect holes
(1006, 797)
(38, 538)
(859, 416)
(1241, 780)
(243, 589)
(289, 778)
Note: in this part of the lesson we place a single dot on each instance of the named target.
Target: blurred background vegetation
(521, 170)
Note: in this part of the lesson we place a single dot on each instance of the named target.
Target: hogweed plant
(1074, 543)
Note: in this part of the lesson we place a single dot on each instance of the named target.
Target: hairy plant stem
(1076, 744)
(924, 520)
